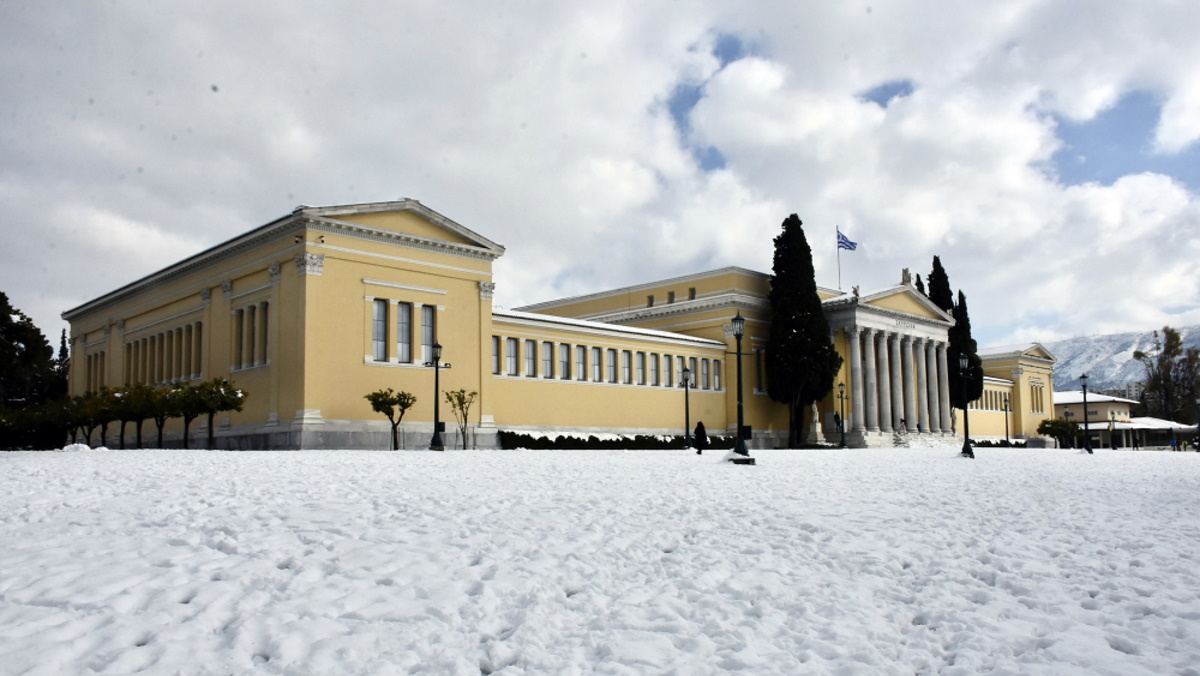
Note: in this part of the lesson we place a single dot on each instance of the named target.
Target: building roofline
(302, 218)
(544, 305)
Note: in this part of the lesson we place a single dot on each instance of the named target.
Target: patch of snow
(886, 561)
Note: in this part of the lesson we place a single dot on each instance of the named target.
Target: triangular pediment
(906, 300)
(406, 217)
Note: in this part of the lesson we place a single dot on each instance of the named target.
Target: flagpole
(838, 244)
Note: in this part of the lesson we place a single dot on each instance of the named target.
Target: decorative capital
(121, 325)
(310, 264)
(205, 295)
(107, 330)
(227, 288)
(486, 290)
(274, 269)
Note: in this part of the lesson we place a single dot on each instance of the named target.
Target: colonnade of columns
(169, 355)
(899, 382)
(94, 369)
(250, 336)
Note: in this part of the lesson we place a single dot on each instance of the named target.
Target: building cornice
(638, 288)
(728, 301)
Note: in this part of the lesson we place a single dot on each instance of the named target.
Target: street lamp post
(964, 365)
(842, 422)
(1112, 429)
(436, 444)
(1007, 411)
(739, 330)
(687, 414)
(1087, 439)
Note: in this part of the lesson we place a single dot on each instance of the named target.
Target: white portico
(897, 383)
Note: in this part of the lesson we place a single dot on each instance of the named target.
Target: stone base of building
(881, 439)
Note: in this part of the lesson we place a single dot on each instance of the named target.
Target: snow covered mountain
(1108, 360)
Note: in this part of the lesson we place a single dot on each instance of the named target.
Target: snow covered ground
(895, 561)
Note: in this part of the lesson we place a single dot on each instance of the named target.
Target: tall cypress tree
(939, 287)
(920, 285)
(26, 359)
(961, 342)
(801, 360)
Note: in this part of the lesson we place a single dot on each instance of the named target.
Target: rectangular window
(581, 362)
(650, 300)
(692, 293)
(670, 296)
(564, 361)
(641, 368)
(496, 355)
(716, 375)
(547, 359)
(695, 373)
(611, 358)
(428, 331)
(511, 349)
(626, 367)
(704, 381)
(597, 366)
(531, 359)
(668, 370)
(379, 333)
(404, 333)
(654, 370)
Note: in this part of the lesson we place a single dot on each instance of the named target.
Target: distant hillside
(1108, 360)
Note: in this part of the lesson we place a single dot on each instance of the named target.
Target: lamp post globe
(964, 366)
(739, 330)
(1087, 440)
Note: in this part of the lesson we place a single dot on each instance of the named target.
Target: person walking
(700, 438)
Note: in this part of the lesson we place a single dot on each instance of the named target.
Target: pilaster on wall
(487, 419)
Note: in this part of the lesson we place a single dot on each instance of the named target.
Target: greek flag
(845, 243)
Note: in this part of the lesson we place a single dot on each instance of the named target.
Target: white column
(910, 390)
(856, 380)
(871, 381)
(897, 382)
(885, 385)
(943, 387)
(922, 385)
(935, 410)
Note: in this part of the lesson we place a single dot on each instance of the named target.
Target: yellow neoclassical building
(313, 310)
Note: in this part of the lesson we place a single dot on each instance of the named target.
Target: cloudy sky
(1046, 150)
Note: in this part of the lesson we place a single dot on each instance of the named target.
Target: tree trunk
(395, 436)
(104, 435)
(186, 423)
(160, 428)
(138, 427)
(123, 422)
(211, 442)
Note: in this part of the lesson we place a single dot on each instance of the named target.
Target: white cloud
(545, 128)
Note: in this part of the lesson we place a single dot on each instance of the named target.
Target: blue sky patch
(884, 93)
(1119, 142)
(727, 48)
